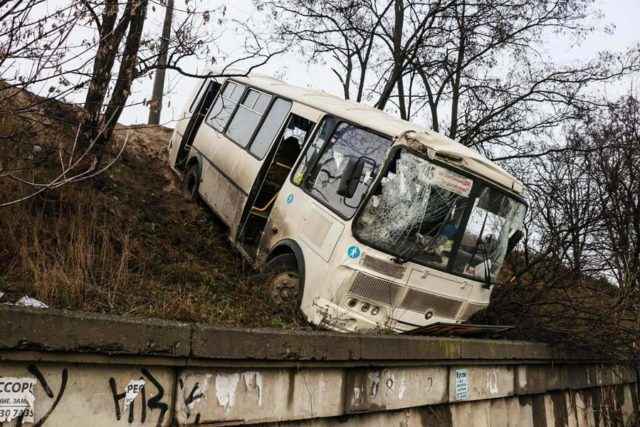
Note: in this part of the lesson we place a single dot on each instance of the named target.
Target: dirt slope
(127, 243)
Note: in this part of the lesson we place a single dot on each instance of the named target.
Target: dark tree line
(576, 280)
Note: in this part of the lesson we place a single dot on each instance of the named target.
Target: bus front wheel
(283, 282)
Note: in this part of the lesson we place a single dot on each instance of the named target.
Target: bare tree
(114, 26)
(614, 168)
(335, 32)
(576, 280)
(35, 40)
(136, 53)
(95, 49)
(476, 71)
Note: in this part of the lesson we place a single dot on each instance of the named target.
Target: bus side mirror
(513, 240)
(351, 177)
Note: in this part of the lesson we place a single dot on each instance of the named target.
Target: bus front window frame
(302, 181)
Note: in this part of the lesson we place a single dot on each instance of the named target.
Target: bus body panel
(227, 177)
(224, 198)
(307, 112)
(230, 159)
(374, 288)
(320, 230)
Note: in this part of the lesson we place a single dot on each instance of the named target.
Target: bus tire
(283, 283)
(191, 183)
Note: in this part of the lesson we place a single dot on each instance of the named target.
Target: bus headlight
(375, 310)
(352, 302)
(365, 307)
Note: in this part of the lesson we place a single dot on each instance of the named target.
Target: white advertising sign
(133, 389)
(461, 384)
(449, 180)
(17, 399)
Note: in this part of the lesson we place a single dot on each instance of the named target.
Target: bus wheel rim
(285, 287)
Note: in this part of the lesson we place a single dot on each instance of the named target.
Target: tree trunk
(110, 38)
(126, 75)
(457, 77)
(401, 101)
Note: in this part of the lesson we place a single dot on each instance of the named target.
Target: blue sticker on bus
(290, 199)
(353, 252)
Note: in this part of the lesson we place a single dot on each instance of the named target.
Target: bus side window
(224, 105)
(247, 117)
(347, 144)
(270, 127)
(310, 156)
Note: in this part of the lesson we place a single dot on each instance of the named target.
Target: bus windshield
(437, 217)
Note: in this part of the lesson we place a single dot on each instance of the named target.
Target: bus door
(273, 174)
(200, 107)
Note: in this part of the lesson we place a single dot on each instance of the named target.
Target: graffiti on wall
(141, 400)
(134, 388)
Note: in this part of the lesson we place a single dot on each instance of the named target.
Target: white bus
(361, 220)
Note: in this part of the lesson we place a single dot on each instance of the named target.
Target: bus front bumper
(333, 317)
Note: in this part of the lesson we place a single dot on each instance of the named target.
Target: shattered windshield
(494, 218)
(420, 212)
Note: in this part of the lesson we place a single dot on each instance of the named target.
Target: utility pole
(158, 82)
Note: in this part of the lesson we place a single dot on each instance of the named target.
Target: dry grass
(127, 243)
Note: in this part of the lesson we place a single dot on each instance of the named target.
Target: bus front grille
(375, 289)
(421, 302)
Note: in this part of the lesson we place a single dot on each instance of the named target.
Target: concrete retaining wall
(188, 374)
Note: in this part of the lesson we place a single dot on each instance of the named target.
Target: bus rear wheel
(283, 283)
(191, 183)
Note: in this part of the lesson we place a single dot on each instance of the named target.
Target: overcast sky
(621, 15)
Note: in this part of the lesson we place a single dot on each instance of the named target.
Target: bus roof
(384, 123)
